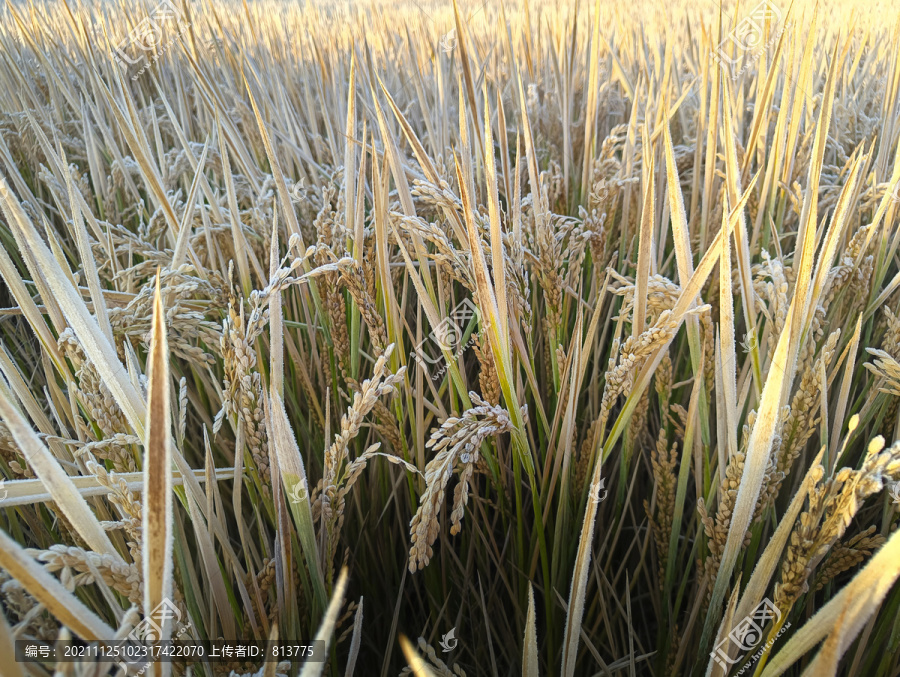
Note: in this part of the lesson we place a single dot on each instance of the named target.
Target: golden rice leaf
(756, 460)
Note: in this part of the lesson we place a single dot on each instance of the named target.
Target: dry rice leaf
(382, 265)
(490, 311)
(825, 664)
(276, 320)
(185, 229)
(497, 267)
(761, 111)
(530, 661)
(579, 579)
(95, 344)
(22, 390)
(212, 568)
(353, 652)
(86, 256)
(402, 187)
(284, 197)
(593, 86)
(416, 663)
(172, 118)
(684, 259)
(726, 343)
(846, 383)
(30, 310)
(781, 372)
(157, 513)
(741, 240)
(133, 130)
(326, 628)
(842, 214)
(271, 667)
(29, 492)
(645, 243)
(808, 217)
(686, 301)
(56, 481)
(239, 241)
(714, 669)
(350, 165)
(47, 590)
(424, 160)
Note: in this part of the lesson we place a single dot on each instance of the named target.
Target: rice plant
(459, 338)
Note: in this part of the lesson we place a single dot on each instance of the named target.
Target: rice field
(450, 338)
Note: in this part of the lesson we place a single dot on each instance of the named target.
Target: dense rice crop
(468, 339)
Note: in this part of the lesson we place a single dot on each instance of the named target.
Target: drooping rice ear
(771, 556)
(843, 617)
